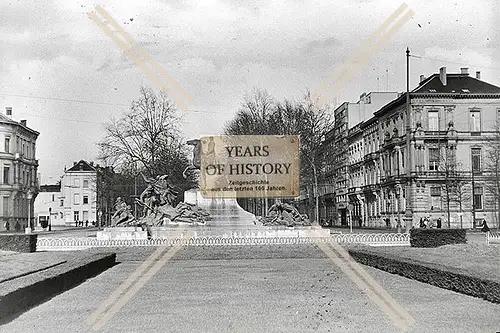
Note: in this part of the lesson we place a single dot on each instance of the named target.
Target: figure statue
(123, 214)
(284, 214)
(158, 193)
(196, 143)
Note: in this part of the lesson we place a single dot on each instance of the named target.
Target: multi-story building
(452, 119)
(19, 184)
(347, 116)
(79, 193)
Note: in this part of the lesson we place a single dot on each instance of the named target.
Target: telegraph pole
(408, 213)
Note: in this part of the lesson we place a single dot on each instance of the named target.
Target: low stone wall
(437, 275)
(437, 237)
(18, 242)
(21, 294)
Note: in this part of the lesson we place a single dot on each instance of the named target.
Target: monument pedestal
(122, 233)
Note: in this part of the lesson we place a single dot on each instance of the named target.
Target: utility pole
(408, 213)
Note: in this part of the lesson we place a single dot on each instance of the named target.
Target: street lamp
(29, 196)
(50, 216)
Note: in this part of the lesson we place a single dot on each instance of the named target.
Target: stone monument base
(122, 233)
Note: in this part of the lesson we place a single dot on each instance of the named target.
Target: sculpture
(284, 214)
(123, 214)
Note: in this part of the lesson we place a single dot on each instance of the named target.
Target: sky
(67, 78)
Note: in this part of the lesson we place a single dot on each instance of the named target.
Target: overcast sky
(218, 51)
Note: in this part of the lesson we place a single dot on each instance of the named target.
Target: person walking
(438, 223)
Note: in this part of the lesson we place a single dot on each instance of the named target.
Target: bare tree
(262, 115)
(141, 133)
(492, 169)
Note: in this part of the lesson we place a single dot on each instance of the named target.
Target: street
(253, 289)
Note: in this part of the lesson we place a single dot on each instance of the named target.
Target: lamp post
(50, 218)
(29, 196)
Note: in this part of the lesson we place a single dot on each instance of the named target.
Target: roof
(50, 188)
(456, 83)
(81, 166)
(7, 120)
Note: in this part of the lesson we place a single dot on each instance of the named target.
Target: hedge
(436, 237)
(21, 294)
(18, 242)
(434, 274)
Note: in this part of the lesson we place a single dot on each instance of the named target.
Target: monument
(207, 213)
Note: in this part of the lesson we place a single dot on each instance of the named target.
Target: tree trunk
(315, 193)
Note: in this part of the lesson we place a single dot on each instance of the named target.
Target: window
(5, 207)
(76, 215)
(433, 159)
(476, 159)
(7, 145)
(478, 198)
(85, 216)
(433, 120)
(85, 199)
(85, 183)
(61, 202)
(435, 191)
(76, 200)
(77, 182)
(475, 121)
(6, 171)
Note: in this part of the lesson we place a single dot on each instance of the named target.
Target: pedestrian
(426, 222)
(485, 227)
(438, 222)
(86, 223)
(422, 225)
(387, 223)
(7, 226)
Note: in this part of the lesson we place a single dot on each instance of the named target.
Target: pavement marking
(346, 70)
(121, 295)
(134, 51)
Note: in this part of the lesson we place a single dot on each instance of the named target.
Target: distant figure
(7, 226)
(86, 223)
(438, 223)
(17, 227)
(76, 223)
(387, 222)
(485, 227)
(422, 224)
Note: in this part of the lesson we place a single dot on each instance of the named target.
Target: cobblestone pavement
(287, 288)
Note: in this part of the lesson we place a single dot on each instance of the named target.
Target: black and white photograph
(249, 166)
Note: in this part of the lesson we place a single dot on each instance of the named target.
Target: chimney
(464, 70)
(8, 112)
(23, 122)
(442, 75)
(91, 163)
(422, 77)
(478, 75)
(74, 163)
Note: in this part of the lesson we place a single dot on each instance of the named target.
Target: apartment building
(452, 120)
(19, 184)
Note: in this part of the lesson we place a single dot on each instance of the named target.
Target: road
(253, 289)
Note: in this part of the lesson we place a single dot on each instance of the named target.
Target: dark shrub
(436, 237)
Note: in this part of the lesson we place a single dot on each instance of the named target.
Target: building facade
(453, 120)
(47, 205)
(19, 184)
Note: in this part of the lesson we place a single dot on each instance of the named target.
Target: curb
(20, 295)
(440, 276)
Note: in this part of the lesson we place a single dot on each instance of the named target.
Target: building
(19, 184)
(452, 120)
(79, 193)
(347, 116)
(48, 205)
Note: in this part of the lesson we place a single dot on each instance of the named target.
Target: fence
(492, 238)
(72, 243)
